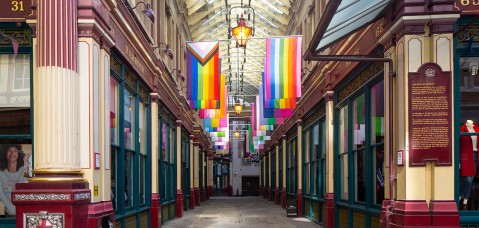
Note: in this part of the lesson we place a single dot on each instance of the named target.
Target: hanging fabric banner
(217, 113)
(282, 81)
(203, 74)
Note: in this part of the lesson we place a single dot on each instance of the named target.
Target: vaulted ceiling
(210, 20)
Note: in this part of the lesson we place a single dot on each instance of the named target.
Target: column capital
(328, 95)
(155, 98)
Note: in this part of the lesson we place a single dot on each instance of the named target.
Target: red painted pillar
(328, 212)
(299, 198)
(155, 211)
(269, 193)
(197, 196)
(179, 203)
(276, 196)
(100, 213)
(444, 214)
(410, 214)
(192, 198)
(283, 198)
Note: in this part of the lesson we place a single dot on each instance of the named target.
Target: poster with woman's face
(15, 167)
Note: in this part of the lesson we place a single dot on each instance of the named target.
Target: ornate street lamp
(237, 134)
(238, 107)
(241, 32)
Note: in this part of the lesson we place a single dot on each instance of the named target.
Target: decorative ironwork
(80, 196)
(143, 94)
(115, 66)
(359, 80)
(42, 197)
(130, 80)
(23, 36)
(468, 32)
(315, 116)
(53, 220)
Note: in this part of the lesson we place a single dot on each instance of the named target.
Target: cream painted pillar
(269, 170)
(329, 122)
(277, 167)
(104, 128)
(155, 97)
(196, 169)
(56, 95)
(284, 163)
(178, 155)
(299, 164)
(210, 173)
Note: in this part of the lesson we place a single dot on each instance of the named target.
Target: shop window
(167, 157)
(307, 163)
(361, 140)
(291, 168)
(468, 127)
(15, 127)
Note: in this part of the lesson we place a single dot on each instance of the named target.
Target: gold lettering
(17, 6)
(379, 30)
(475, 2)
(465, 2)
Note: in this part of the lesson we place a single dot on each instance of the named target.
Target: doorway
(250, 185)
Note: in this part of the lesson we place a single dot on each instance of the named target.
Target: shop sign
(467, 6)
(430, 121)
(17, 9)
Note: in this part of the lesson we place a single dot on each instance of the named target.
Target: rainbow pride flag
(282, 81)
(203, 74)
(217, 113)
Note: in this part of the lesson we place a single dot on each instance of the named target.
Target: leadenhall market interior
(345, 113)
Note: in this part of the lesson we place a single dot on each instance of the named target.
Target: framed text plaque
(430, 123)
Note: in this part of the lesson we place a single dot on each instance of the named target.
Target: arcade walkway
(238, 212)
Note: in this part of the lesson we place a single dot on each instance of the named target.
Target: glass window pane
(164, 142)
(378, 161)
(172, 145)
(114, 176)
(114, 114)
(377, 113)
(142, 177)
(343, 130)
(359, 122)
(360, 177)
(343, 162)
(469, 89)
(128, 179)
(315, 150)
(143, 119)
(306, 147)
(129, 120)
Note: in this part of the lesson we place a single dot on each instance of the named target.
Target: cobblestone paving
(238, 212)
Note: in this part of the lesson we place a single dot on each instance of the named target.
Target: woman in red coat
(468, 161)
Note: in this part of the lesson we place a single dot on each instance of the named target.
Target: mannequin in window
(468, 161)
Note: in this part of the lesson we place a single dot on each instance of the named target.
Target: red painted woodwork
(179, 203)
(203, 195)
(444, 214)
(212, 190)
(283, 198)
(97, 211)
(410, 214)
(384, 220)
(269, 194)
(192, 198)
(155, 210)
(299, 205)
(276, 196)
(328, 212)
(73, 203)
(197, 196)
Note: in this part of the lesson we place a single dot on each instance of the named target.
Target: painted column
(179, 192)
(276, 192)
(155, 194)
(328, 212)
(203, 174)
(192, 167)
(196, 174)
(299, 164)
(210, 177)
(265, 187)
(260, 178)
(283, 141)
(269, 175)
(57, 155)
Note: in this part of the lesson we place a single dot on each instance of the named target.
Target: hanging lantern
(238, 107)
(241, 32)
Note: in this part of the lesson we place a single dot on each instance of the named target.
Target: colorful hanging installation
(274, 112)
(262, 119)
(203, 74)
(282, 81)
(217, 113)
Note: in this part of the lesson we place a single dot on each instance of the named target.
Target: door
(250, 185)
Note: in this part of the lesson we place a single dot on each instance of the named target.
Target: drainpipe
(392, 74)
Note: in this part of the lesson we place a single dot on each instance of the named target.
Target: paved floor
(238, 212)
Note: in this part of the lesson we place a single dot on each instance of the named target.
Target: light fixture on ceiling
(238, 107)
(147, 11)
(237, 134)
(167, 50)
(241, 32)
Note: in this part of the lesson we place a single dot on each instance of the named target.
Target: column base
(211, 189)
(100, 214)
(328, 211)
(67, 202)
(444, 214)
(410, 214)
(265, 192)
(155, 211)
(283, 199)
(197, 196)
(299, 195)
(207, 193)
(276, 196)
(269, 194)
(192, 198)
(179, 203)
(385, 216)
(203, 194)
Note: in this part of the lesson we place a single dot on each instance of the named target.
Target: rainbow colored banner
(274, 112)
(203, 74)
(282, 81)
(217, 113)
(260, 111)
